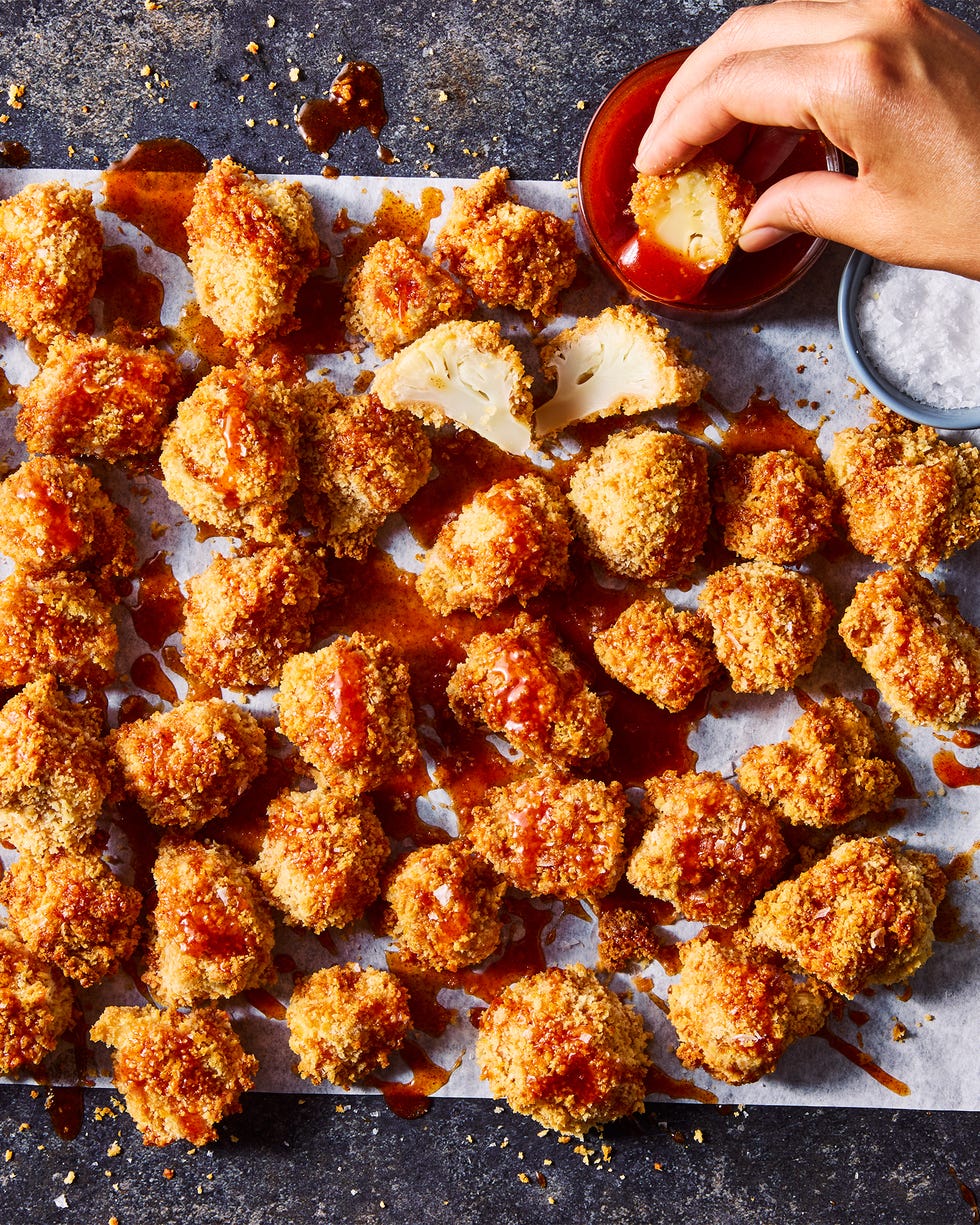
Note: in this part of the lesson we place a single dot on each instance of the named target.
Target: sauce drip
(660, 1082)
(762, 425)
(129, 296)
(265, 1002)
(152, 187)
(409, 1099)
(14, 154)
(356, 100)
(864, 1061)
(951, 772)
(159, 608)
(65, 1104)
(145, 672)
(969, 1198)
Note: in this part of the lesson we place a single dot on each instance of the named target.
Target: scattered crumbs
(498, 1110)
(9, 1155)
(294, 75)
(61, 1201)
(522, 1177)
(899, 1032)
(24, 1127)
(69, 1178)
(114, 1149)
(194, 105)
(250, 123)
(580, 105)
(606, 1152)
(757, 328)
(14, 94)
(469, 1139)
(443, 96)
(658, 1165)
(928, 1017)
(273, 123)
(252, 48)
(547, 1161)
(801, 369)
(551, 1199)
(504, 1143)
(168, 1173)
(698, 1136)
(270, 21)
(113, 1220)
(145, 70)
(35, 1094)
(382, 1204)
(246, 76)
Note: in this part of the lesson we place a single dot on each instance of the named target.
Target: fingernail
(762, 237)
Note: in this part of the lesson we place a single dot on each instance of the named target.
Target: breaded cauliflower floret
(466, 373)
(523, 684)
(57, 624)
(769, 624)
(640, 504)
(180, 1073)
(621, 361)
(921, 653)
(188, 765)
(507, 253)
(71, 910)
(96, 397)
(35, 1005)
(829, 772)
(321, 857)
(709, 850)
(251, 246)
(562, 1048)
(345, 1023)
(861, 916)
(50, 259)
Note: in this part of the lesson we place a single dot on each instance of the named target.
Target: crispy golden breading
(920, 652)
(708, 849)
(772, 507)
(562, 1048)
(50, 259)
(188, 765)
(71, 910)
(551, 834)
(321, 857)
(769, 624)
(359, 462)
(180, 1073)
(96, 397)
(510, 540)
(640, 504)
(446, 905)
(660, 652)
(251, 247)
(345, 1023)
(736, 1007)
(348, 710)
(35, 1005)
(506, 253)
(829, 772)
(212, 932)
(524, 684)
(906, 497)
(230, 459)
(245, 616)
(861, 916)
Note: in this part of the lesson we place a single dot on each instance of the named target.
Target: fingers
(835, 206)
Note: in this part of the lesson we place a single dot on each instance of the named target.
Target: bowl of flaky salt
(913, 339)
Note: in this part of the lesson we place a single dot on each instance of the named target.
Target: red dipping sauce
(606, 176)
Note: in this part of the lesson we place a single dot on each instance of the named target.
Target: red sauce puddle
(762, 425)
(951, 772)
(159, 608)
(152, 187)
(864, 1061)
(409, 1099)
(660, 1082)
(356, 100)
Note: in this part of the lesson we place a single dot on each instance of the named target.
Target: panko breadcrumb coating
(245, 616)
(94, 396)
(562, 1048)
(50, 259)
(510, 540)
(212, 932)
(71, 910)
(736, 1007)
(230, 459)
(550, 834)
(345, 1023)
(861, 916)
(251, 246)
(188, 765)
(35, 1005)
(829, 772)
(660, 652)
(321, 857)
(180, 1073)
(446, 905)
(772, 507)
(348, 710)
(921, 653)
(640, 504)
(769, 624)
(709, 850)
(524, 684)
(507, 253)
(54, 769)
(906, 497)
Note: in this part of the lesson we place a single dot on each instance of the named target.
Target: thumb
(819, 202)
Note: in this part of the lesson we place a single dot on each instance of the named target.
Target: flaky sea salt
(921, 331)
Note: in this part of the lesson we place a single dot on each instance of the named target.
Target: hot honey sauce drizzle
(763, 425)
(158, 610)
(355, 101)
(951, 772)
(152, 187)
(863, 1060)
(410, 1099)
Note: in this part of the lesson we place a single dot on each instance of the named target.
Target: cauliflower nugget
(50, 259)
(510, 540)
(251, 247)
(861, 916)
(96, 397)
(508, 254)
(769, 624)
(829, 772)
(321, 857)
(523, 684)
(188, 765)
(640, 504)
(562, 1048)
(345, 1023)
(708, 849)
(35, 1005)
(71, 910)
(920, 652)
(180, 1072)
